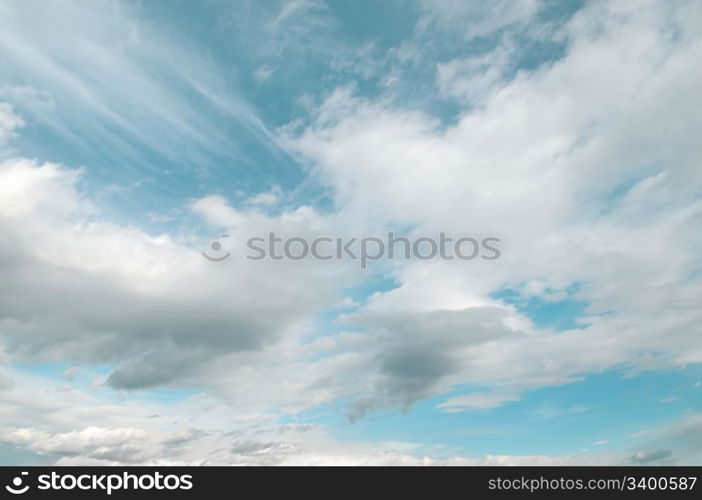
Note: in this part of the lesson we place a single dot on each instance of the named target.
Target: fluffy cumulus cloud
(119, 445)
(587, 168)
(77, 287)
(9, 121)
(592, 188)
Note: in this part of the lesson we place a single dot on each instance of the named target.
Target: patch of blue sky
(11, 455)
(554, 314)
(559, 420)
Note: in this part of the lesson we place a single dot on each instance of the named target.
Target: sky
(135, 134)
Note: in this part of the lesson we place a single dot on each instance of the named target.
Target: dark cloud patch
(97, 293)
(417, 352)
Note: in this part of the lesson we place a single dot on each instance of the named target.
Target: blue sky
(134, 133)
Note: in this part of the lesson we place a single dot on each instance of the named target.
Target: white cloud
(476, 401)
(119, 445)
(103, 293)
(649, 457)
(590, 186)
(473, 78)
(266, 198)
(9, 122)
(476, 19)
